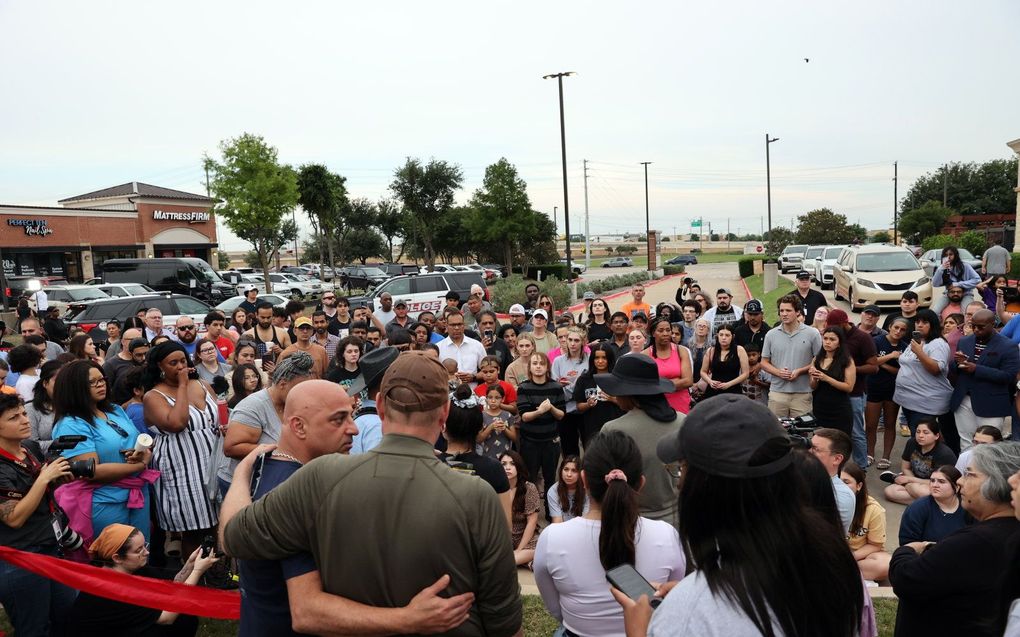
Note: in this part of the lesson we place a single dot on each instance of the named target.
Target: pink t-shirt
(671, 368)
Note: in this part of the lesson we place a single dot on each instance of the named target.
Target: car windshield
(208, 274)
(87, 294)
(832, 253)
(813, 253)
(374, 272)
(794, 249)
(886, 262)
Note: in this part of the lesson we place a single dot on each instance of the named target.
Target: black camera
(688, 280)
(1010, 295)
(78, 468)
(800, 429)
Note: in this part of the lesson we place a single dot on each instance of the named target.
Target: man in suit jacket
(987, 363)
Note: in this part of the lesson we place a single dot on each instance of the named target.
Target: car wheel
(835, 291)
(295, 295)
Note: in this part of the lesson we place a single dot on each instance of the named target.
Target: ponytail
(612, 467)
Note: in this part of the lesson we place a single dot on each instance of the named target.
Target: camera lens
(83, 468)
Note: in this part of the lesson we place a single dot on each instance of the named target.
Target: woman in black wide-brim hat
(638, 390)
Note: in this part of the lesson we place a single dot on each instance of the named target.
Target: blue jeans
(34, 604)
(858, 436)
(914, 417)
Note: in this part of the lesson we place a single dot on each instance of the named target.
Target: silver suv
(792, 258)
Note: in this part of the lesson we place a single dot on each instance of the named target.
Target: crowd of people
(568, 443)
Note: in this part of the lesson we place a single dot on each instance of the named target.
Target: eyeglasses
(545, 303)
(142, 550)
(185, 328)
(99, 382)
(207, 350)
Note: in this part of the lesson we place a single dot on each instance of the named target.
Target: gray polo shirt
(996, 259)
(786, 350)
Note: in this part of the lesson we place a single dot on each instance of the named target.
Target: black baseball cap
(753, 307)
(721, 434)
(872, 309)
(803, 274)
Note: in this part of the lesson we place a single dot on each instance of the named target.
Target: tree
(323, 195)
(503, 210)
(609, 249)
(695, 237)
(778, 239)
(924, 221)
(969, 188)
(364, 243)
(881, 237)
(974, 241)
(426, 192)
(255, 193)
(823, 226)
(391, 222)
(628, 250)
(223, 259)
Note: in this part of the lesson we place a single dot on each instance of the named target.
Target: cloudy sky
(99, 93)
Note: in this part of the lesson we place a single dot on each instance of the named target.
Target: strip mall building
(133, 220)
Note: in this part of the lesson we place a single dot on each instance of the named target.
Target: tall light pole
(563, 149)
(648, 228)
(556, 227)
(768, 179)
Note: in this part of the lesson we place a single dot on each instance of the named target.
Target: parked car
(125, 289)
(300, 288)
(19, 286)
(187, 276)
(396, 269)
(61, 297)
(320, 271)
(439, 267)
(498, 271)
(878, 274)
(231, 304)
(683, 259)
(932, 259)
(575, 265)
(92, 316)
(824, 265)
(425, 292)
(792, 257)
(297, 269)
(362, 277)
(811, 255)
(618, 262)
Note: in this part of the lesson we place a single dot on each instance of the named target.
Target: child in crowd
(5, 369)
(489, 369)
(133, 383)
(756, 387)
(451, 369)
(498, 433)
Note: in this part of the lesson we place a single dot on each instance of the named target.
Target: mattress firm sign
(190, 217)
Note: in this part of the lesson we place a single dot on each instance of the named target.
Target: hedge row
(611, 283)
(746, 267)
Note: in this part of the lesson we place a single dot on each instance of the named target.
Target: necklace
(286, 456)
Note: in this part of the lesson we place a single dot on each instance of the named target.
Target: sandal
(871, 461)
(882, 464)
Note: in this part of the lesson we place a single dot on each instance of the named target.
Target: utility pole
(556, 227)
(563, 149)
(587, 238)
(727, 233)
(945, 185)
(895, 219)
(701, 233)
(768, 177)
(293, 217)
(761, 227)
(648, 229)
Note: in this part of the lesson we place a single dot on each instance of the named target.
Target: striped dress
(183, 462)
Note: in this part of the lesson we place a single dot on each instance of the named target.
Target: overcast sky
(100, 93)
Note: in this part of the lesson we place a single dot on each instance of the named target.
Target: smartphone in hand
(628, 581)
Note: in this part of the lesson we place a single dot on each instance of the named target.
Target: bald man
(987, 364)
(317, 420)
(118, 365)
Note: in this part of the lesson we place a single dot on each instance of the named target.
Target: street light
(768, 180)
(648, 228)
(563, 148)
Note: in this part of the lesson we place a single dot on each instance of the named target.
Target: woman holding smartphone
(922, 384)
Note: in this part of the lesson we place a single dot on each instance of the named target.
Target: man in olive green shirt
(384, 525)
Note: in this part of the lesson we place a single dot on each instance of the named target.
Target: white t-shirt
(691, 609)
(26, 387)
(573, 582)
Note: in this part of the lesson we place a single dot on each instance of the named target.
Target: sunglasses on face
(186, 328)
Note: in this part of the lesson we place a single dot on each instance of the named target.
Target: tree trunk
(332, 260)
(430, 257)
(264, 262)
(508, 256)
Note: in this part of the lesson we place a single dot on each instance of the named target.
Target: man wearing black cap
(869, 322)
(753, 328)
(636, 387)
(373, 365)
(400, 319)
(810, 299)
(431, 520)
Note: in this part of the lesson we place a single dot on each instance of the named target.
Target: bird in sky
(806, 60)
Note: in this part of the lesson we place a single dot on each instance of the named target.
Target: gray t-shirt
(658, 497)
(255, 411)
(792, 351)
(691, 609)
(996, 260)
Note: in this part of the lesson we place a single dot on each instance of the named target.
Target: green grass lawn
(537, 622)
(755, 285)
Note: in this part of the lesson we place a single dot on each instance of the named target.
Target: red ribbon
(130, 589)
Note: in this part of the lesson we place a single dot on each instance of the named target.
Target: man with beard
(322, 335)
(519, 318)
(400, 319)
(724, 312)
(267, 337)
(187, 334)
(386, 312)
(954, 296)
(810, 299)
(754, 328)
(304, 329)
(531, 292)
(869, 321)
(494, 346)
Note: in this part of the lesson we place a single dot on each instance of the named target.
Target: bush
(1014, 268)
(974, 241)
(611, 283)
(506, 292)
(746, 267)
(673, 269)
(937, 242)
(558, 270)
